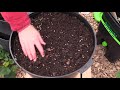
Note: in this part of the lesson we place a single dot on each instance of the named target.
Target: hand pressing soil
(69, 45)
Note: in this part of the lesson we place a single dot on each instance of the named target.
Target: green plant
(8, 68)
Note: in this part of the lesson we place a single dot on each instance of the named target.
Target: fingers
(41, 40)
(32, 51)
(29, 51)
(23, 47)
(24, 50)
(40, 48)
(26, 46)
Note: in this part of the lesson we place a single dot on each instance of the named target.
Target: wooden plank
(27, 76)
(76, 75)
(87, 74)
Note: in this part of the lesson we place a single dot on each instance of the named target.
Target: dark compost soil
(69, 45)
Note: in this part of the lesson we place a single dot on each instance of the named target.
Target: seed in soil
(43, 65)
(48, 49)
(79, 50)
(83, 56)
(68, 62)
(65, 66)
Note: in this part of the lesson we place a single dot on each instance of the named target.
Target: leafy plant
(8, 68)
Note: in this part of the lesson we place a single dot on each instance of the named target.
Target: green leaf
(6, 59)
(11, 61)
(1, 67)
(6, 64)
(7, 55)
(1, 50)
(14, 68)
(13, 72)
(11, 75)
(8, 69)
(1, 57)
(2, 54)
(4, 70)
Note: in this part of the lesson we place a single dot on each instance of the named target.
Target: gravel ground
(101, 67)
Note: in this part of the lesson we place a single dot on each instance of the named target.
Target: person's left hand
(29, 38)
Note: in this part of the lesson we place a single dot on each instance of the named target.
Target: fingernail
(34, 60)
(44, 43)
(43, 55)
(30, 58)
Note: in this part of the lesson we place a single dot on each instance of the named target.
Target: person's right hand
(28, 38)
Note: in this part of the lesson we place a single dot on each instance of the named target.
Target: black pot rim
(78, 70)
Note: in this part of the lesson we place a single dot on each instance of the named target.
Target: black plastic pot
(80, 70)
(113, 49)
(113, 23)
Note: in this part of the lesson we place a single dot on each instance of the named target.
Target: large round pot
(80, 70)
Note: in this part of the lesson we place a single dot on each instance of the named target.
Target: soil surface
(69, 45)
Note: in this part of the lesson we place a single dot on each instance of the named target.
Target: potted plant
(70, 45)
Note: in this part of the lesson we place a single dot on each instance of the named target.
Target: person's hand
(28, 38)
